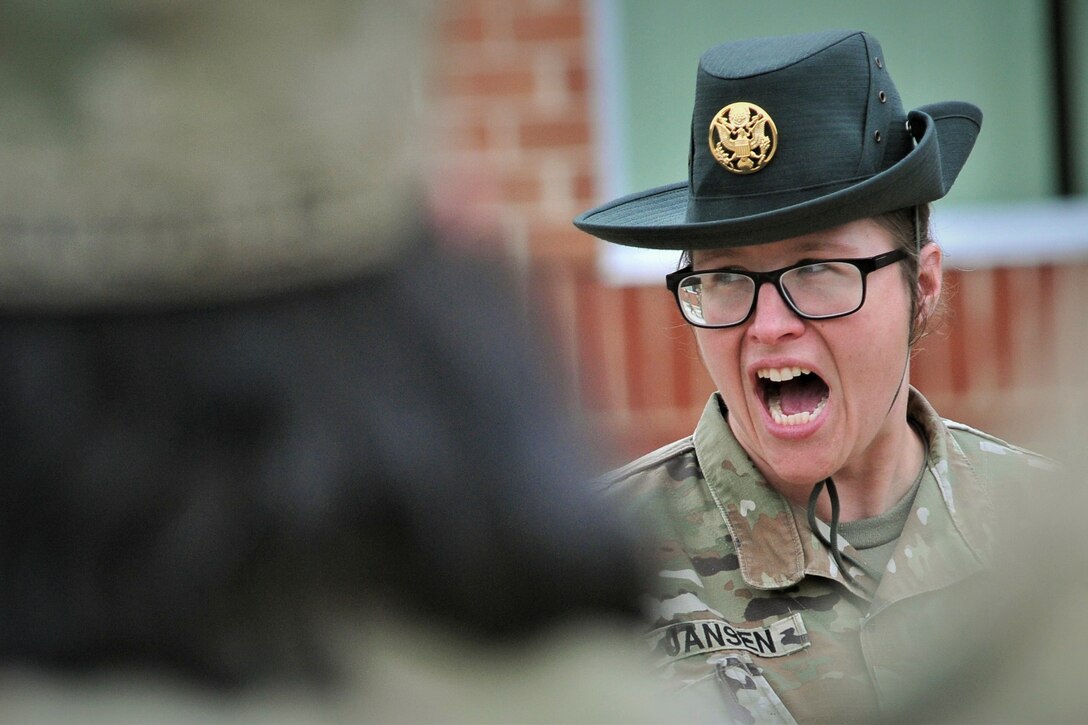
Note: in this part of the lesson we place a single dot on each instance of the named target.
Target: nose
(773, 319)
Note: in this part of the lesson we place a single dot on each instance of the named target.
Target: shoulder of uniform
(987, 443)
(649, 462)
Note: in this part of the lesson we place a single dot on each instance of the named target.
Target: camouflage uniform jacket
(750, 603)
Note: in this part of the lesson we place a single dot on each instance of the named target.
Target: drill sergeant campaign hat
(791, 135)
(157, 152)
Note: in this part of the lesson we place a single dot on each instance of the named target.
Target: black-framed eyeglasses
(817, 290)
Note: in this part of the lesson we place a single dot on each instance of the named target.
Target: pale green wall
(990, 52)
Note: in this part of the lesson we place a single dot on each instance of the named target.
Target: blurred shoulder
(654, 471)
(997, 458)
(392, 668)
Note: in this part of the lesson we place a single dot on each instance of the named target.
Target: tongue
(801, 394)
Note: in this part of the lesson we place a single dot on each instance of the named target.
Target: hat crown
(835, 115)
(753, 56)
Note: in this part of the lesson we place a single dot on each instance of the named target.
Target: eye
(724, 279)
(817, 268)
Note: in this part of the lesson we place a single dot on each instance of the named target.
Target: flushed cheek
(722, 358)
(873, 382)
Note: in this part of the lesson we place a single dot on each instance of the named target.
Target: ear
(930, 276)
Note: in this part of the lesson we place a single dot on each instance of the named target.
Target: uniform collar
(949, 532)
(775, 547)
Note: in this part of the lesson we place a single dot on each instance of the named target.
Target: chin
(802, 472)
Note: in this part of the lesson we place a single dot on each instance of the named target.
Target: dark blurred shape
(192, 487)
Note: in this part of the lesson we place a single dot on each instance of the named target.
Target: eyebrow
(815, 245)
(808, 246)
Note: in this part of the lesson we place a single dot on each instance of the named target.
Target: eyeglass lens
(827, 289)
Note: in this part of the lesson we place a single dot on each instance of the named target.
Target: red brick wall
(1010, 358)
(513, 78)
(516, 113)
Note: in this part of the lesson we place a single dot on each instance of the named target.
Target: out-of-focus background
(548, 107)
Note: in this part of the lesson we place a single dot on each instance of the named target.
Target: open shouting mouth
(792, 395)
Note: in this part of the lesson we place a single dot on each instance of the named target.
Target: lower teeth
(775, 406)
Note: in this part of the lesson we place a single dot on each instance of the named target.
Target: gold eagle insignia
(743, 138)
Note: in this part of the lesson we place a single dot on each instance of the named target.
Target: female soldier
(821, 512)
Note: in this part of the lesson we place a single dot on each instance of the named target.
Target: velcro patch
(703, 636)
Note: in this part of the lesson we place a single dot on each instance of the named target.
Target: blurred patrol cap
(790, 135)
(157, 152)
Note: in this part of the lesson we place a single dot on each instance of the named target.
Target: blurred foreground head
(239, 387)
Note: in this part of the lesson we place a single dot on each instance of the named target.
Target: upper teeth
(780, 374)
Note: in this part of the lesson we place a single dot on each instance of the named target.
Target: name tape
(703, 636)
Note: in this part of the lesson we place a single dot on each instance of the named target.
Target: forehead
(863, 238)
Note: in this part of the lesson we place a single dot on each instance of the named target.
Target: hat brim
(655, 219)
